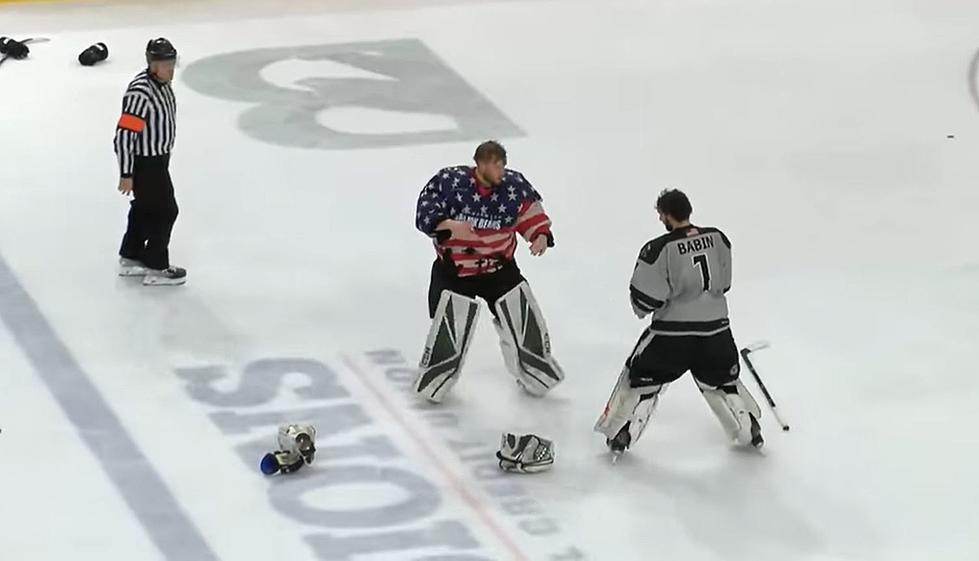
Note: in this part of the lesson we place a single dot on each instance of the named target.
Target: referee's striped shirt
(148, 124)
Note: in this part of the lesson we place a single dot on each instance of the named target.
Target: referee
(144, 139)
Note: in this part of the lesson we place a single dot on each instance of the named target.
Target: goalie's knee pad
(525, 341)
(736, 409)
(447, 345)
(628, 407)
(528, 453)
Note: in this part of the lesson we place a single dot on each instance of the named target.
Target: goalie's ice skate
(756, 439)
(618, 445)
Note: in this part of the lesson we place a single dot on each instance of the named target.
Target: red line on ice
(478, 507)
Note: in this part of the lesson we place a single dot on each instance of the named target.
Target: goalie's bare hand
(539, 245)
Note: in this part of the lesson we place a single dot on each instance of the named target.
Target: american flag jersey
(496, 213)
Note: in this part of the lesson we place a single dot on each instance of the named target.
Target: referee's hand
(126, 185)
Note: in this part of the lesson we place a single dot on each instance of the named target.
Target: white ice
(816, 134)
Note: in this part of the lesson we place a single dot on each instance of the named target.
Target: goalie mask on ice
(524, 341)
(296, 448)
(525, 454)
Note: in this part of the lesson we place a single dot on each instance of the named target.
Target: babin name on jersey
(697, 244)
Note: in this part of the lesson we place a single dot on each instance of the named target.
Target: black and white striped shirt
(148, 125)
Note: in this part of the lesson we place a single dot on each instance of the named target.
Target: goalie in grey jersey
(681, 279)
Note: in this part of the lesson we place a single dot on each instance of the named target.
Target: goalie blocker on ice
(473, 215)
(681, 278)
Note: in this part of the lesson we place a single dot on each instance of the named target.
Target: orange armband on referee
(131, 123)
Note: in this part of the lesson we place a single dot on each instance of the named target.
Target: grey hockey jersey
(681, 278)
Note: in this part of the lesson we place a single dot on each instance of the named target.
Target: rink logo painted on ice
(327, 96)
(352, 453)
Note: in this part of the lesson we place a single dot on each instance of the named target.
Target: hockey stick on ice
(768, 397)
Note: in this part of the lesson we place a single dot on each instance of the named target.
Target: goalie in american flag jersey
(496, 214)
(473, 215)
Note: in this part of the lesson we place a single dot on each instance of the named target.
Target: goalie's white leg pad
(447, 344)
(749, 400)
(733, 410)
(527, 453)
(628, 405)
(507, 348)
(522, 327)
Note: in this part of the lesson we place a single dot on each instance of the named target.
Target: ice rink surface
(835, 143)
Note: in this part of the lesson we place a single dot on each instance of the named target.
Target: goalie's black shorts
(661, 359)
(490, 287)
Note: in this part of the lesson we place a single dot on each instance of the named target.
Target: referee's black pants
(152, 213)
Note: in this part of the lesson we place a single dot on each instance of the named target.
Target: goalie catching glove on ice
(525, 454)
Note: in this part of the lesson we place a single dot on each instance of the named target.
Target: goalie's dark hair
(490, 151)
(674, 202)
